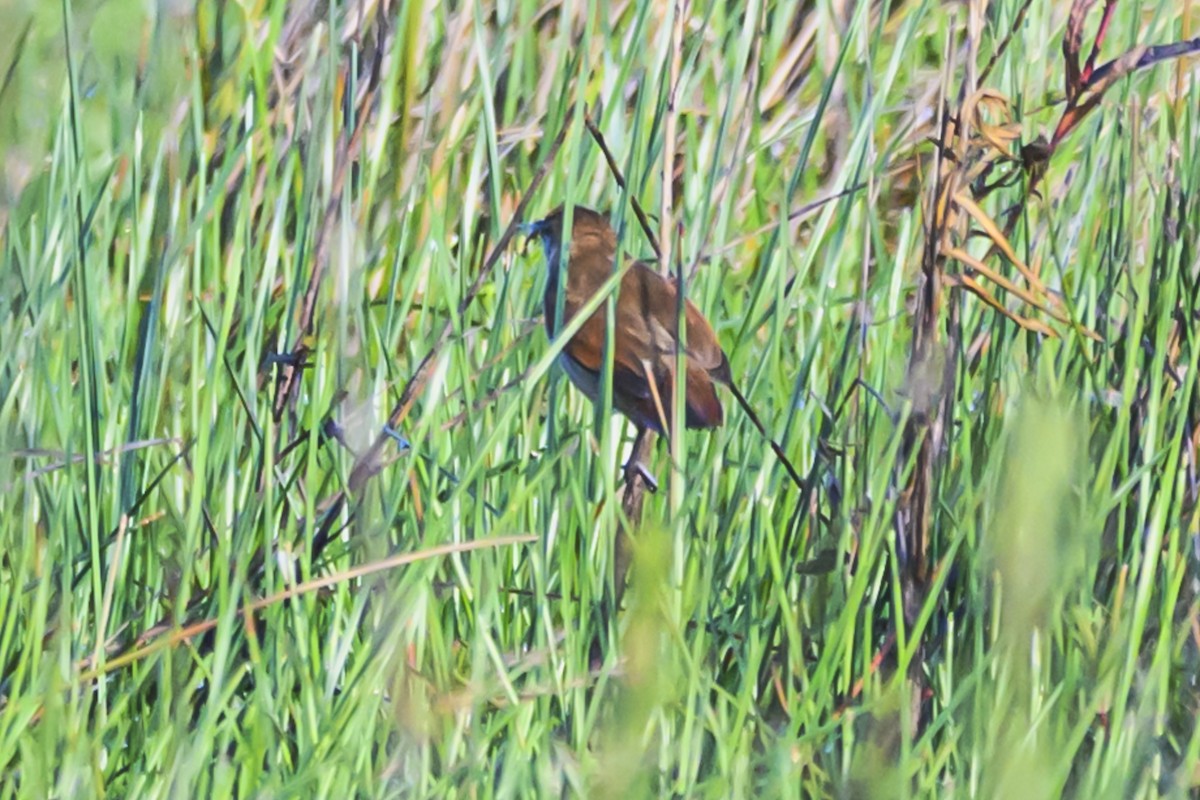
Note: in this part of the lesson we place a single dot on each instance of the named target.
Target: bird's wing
(657, 303)
(656, 337)
(586, 349)
(644, 349)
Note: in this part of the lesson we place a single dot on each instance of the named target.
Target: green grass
(169, 187)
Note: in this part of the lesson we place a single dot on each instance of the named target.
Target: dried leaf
(1001, 136)
(1001, 241)
(1004, 283)
(1109, 7)
(1072, 41)
(973, 286)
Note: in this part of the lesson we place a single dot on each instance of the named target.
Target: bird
(646, 336)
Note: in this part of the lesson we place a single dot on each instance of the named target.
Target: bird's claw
(395, 434)
(636, 468)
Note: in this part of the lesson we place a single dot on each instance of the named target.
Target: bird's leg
(636, 466)
(631, 505)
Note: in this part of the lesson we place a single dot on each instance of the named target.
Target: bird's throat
(554, 308)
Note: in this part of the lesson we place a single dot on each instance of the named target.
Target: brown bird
(645, 339)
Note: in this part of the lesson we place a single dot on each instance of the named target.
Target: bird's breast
(584, 379)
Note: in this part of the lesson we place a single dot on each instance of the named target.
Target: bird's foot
(636, 468)
(395, 434)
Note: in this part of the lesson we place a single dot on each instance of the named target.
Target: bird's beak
(531, 231)
(533, 228)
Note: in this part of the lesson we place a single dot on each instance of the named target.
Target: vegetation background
(237, 238)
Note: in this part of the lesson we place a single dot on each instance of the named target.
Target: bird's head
(589, 229)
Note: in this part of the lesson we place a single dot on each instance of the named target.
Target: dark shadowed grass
(170, 188)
